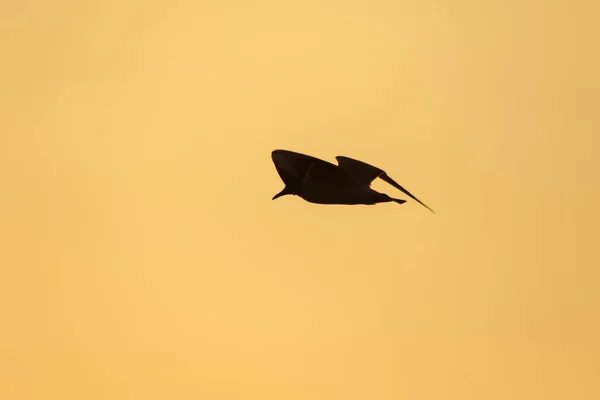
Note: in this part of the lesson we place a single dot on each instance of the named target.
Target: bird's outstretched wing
(292, 166)
(364, 174)
(361, 172)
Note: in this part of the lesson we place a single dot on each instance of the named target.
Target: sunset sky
(141, 256)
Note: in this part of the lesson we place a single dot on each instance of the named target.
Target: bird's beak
(283, 192)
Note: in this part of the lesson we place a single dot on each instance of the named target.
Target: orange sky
(141, 254)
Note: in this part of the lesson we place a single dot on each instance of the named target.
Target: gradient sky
(141, 254)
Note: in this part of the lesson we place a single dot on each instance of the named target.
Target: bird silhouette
(321, 182)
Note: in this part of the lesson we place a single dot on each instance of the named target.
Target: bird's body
(321, 182)
(329, 184)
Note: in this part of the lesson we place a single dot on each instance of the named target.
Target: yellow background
(142, 256)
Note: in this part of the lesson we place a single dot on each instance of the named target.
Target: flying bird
(321, 182)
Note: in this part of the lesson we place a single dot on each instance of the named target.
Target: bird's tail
(399, 201)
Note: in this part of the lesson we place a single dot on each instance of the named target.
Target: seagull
(321, 182)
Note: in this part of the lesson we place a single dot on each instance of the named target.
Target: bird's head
(286, 190)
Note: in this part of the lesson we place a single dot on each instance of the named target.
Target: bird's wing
(331, 174)
(364, 174)
(361, 172)
(292, 166)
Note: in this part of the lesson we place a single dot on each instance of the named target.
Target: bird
(321, 182)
